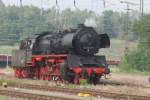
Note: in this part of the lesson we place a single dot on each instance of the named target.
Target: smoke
(90, 22)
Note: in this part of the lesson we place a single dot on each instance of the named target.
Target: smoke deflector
(104, 41)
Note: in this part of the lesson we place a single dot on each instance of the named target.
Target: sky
(94, 5)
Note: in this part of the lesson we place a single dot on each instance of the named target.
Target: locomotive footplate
(86, 61)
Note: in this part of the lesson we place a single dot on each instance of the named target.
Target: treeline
(19, 22)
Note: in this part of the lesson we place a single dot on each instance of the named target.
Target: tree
(113, 23)
(20, 22)
(139, 59)
(108, 24)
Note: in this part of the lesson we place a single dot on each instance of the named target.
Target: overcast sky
(95, 5)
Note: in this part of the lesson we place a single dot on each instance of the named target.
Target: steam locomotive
(68, 56)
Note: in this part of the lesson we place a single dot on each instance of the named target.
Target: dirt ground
(139, 80)
(134, 79)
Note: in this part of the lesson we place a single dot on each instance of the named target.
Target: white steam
(90, 22)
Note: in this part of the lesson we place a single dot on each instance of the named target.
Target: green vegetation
(117, 48)
(7, 49)
(20, 22)
(139, 60)
(4, 97)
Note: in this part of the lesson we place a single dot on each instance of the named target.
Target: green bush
(136, 60)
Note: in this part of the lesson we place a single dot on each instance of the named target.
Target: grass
(2, 97)
(7, 49)
(117, 48)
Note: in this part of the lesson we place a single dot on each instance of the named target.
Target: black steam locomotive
(67, 55)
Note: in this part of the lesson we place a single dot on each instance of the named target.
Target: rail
(30, 95)
(88, 91)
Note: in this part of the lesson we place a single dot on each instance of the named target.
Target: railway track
(30, 95)
(103, 82)
(96, 93)
(120, 83)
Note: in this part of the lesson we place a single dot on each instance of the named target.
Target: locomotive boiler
(68, 55)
